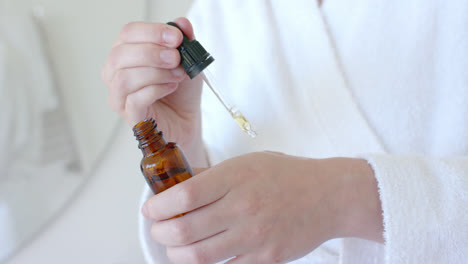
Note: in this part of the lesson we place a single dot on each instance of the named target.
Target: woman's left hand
(265, 208)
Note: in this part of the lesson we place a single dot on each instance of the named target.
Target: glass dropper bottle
(195, 59)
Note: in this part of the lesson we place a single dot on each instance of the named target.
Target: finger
(194, 226)
(140, 99)
(184, 24)
(140, 55)
(127, 81)
(189, 195)
(156, 33)
(211, 250)
(137, 103)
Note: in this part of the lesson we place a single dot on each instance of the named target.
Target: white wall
(79, 34)
(167, 10)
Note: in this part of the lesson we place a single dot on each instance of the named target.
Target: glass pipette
(235, 113)
(194, 60)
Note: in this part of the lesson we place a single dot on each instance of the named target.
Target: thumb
(186, 27)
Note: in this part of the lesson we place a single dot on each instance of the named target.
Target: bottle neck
(150, 139)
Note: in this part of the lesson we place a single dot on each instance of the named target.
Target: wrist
(359, 201)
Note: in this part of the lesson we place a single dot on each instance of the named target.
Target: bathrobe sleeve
(425, 210)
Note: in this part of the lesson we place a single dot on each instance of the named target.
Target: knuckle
(196, 256)
(132, 101)
(120, 81)
(181, 233)
(114, 59)
(187, 197)
(273, 255)
(114, 55)
(129, 27)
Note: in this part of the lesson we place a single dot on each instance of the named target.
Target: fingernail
(170, 36)
(144, 211)
(178, 72)
(167, 56)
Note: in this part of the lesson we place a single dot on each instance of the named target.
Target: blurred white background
(99, 223)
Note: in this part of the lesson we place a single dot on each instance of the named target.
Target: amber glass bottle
(164, 164)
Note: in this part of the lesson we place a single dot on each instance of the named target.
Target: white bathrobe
(383, 80)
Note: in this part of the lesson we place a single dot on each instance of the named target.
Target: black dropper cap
(194, 58)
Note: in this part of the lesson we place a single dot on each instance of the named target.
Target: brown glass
(164, 164)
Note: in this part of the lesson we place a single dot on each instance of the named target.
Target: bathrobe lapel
(323, 86)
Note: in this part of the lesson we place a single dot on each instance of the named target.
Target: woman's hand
(265, 208)
(145, 80)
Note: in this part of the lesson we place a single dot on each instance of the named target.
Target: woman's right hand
(145, 80)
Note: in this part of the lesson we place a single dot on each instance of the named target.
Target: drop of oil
(235, 113)
(243, 123)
